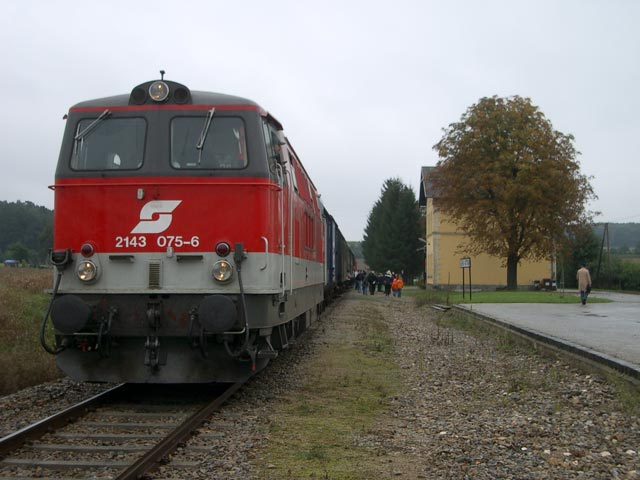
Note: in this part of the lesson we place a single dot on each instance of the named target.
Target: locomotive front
(172, 239)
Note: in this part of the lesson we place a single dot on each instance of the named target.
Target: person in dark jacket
(387, 282)
(359, 281)
(372, 280)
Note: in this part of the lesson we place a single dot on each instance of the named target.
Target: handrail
(266, 253)
(281, 181)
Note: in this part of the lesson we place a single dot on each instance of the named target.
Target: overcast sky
(363, 88)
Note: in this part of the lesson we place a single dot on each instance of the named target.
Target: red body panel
(108, 212)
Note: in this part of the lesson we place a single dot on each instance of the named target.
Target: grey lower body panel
(186, 352)
(179, 364)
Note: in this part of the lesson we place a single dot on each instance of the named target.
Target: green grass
(502, 296)
(627, 393)
(312, 435)
(22, 304)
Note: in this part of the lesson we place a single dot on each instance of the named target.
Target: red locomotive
(189, 241)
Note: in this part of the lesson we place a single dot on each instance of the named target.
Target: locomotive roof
(197, 97)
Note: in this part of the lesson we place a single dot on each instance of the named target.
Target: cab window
(272, 145)
(197, 143)
(108, 144)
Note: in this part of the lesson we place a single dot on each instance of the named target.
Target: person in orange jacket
(400, 285)
(397, 285)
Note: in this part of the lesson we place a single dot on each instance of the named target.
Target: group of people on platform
(393, 283)
(387, 283)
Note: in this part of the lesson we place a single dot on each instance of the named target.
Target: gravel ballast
(467, 409)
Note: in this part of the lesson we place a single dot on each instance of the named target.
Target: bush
(629, 276)
(621, 274)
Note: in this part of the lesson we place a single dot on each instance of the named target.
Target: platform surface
(609, 328)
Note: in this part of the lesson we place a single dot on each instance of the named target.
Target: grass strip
(504, 296)
(22, 304)
(314, 434)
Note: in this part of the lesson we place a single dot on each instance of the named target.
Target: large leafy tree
(392, 231)
(510, 181)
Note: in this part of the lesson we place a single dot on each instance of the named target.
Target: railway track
(121, 433)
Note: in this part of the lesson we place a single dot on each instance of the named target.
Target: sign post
(466, 263)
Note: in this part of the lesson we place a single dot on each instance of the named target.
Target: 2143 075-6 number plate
(162, 241)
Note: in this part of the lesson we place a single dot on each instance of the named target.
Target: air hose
(238, 256)
(43, 341)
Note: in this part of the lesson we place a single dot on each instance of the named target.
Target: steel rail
(36, 430)
(155, 456)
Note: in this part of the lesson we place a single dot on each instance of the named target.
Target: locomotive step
(270, 354)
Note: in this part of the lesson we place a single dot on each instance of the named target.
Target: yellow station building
(445, 254)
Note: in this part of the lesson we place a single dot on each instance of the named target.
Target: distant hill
(620, 234)
(26, 232)
(356, 248)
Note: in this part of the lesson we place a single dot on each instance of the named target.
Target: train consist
(190, 244)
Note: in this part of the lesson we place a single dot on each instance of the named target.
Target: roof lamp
(159, 91)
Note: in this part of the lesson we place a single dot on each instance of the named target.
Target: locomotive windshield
(109, 144)
(222, 147)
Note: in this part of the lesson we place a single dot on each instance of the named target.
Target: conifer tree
(392, 231)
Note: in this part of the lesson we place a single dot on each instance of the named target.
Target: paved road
(609, 328)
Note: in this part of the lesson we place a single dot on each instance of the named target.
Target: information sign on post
(466, 263)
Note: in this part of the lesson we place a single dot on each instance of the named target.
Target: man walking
(584, 283)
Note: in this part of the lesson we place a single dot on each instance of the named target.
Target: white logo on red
(163, 209)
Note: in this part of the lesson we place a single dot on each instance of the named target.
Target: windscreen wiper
(204, 133)
(80, 135)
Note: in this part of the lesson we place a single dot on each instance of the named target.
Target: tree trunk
(512, 272)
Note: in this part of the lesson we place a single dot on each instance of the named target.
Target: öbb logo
(163, 209)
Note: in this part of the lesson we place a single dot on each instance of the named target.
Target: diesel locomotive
(190, 244)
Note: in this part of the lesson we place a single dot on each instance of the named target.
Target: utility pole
(605, 235)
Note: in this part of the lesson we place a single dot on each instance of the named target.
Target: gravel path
(473, 411)
(468, 410)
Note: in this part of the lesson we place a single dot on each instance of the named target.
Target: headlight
(87, 271)
(159, 91)
(222, 271)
